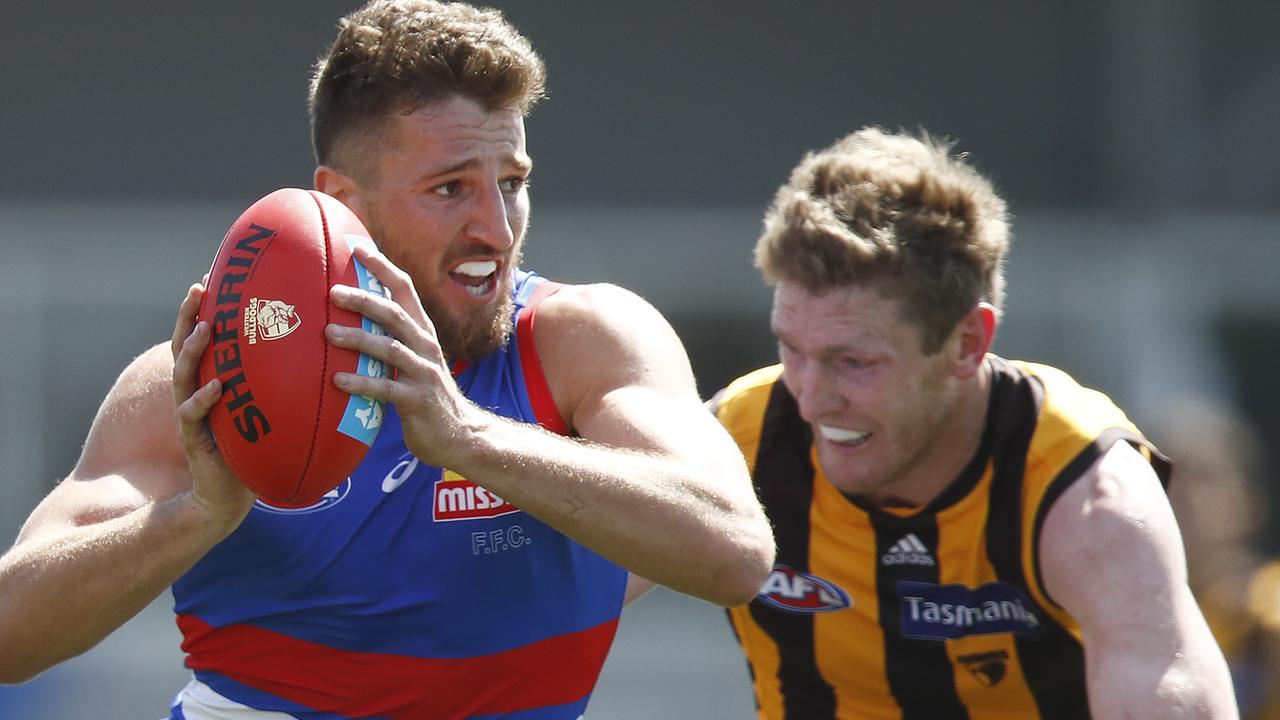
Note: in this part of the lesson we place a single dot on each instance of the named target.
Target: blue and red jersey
(408, 591)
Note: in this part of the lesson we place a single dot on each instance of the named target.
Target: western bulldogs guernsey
(408, 591)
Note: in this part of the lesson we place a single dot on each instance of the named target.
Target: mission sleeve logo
(457, 498)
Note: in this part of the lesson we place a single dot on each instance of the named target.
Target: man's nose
(489, 222)
(816, 393)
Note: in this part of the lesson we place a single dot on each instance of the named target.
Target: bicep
(1114, 527)
(622, 378)
(130, 457)
(1112, 556)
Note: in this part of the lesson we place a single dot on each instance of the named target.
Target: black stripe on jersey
(1014, 415)
(1052, 661)
(784, 481)
(919, 671)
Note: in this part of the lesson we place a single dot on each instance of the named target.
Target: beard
(474, 334)
(477, 334)
(477, 331)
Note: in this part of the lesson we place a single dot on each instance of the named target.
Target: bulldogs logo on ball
(269, 320)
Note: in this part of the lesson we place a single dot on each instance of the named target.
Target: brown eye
(448, 189)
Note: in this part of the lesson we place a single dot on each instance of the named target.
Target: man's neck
(951, 451)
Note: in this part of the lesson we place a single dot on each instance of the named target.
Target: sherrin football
(283, 427)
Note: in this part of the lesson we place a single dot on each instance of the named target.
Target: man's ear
(332, 181)
(976, 330)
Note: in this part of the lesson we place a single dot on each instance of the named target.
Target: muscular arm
(1111, 556)
(654, 483)
(658, 487)
(124, 525)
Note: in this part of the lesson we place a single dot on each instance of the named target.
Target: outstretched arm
(1112, 556)
(653, 482)
(128, 521)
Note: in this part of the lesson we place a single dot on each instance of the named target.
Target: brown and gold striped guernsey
(933, 614)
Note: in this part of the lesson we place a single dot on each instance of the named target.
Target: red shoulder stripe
(535, 380)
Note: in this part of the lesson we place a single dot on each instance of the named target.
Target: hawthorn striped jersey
(936, 612)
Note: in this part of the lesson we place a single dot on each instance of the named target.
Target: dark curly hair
(399, 55)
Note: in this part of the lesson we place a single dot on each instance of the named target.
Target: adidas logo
(908, 551)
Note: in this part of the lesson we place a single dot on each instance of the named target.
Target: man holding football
(586, 424)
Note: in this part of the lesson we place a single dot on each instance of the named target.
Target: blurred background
(1134, 139)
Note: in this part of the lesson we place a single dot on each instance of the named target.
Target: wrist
(197, 516)
(458, 441)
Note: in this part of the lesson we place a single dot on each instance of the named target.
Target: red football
(283, 427)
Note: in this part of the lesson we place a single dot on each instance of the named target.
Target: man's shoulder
(1068, 405)
(595, 339)
(1061, 425)
(591, 298)
(753, 384)
(1048, 375)
(598, 316)
(740, 406)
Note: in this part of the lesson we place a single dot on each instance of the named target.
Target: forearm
(693, 528)
(62, 592)
(683, 515)
(1111, 555)
(1188, 679)
(1177, 690)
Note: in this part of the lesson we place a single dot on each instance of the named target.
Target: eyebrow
(522, 164)
(827, 350)
(455, 168)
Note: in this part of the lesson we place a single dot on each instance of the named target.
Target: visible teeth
(477, 290)
(477, 268)
(836, 434)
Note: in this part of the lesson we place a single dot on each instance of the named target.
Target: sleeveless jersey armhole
(1072, 472)
(540, 397)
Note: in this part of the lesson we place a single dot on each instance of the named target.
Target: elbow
(20, 660)
(14, 672)
(743, 578)
(7, 678)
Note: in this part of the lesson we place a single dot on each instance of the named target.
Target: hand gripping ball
(283, 427)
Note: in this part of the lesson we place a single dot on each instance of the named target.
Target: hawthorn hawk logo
(988, 667)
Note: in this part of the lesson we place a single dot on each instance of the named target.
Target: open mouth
(478, 278)
(842, 436)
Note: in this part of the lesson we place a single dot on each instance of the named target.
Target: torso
(408, 591)
(934, 613)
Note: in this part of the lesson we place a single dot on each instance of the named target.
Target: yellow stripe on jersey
(1069, 434)
(982, 671)
(937, 612)
(764, 663)
(840, 552)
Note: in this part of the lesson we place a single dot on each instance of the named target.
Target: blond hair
(896, 211)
